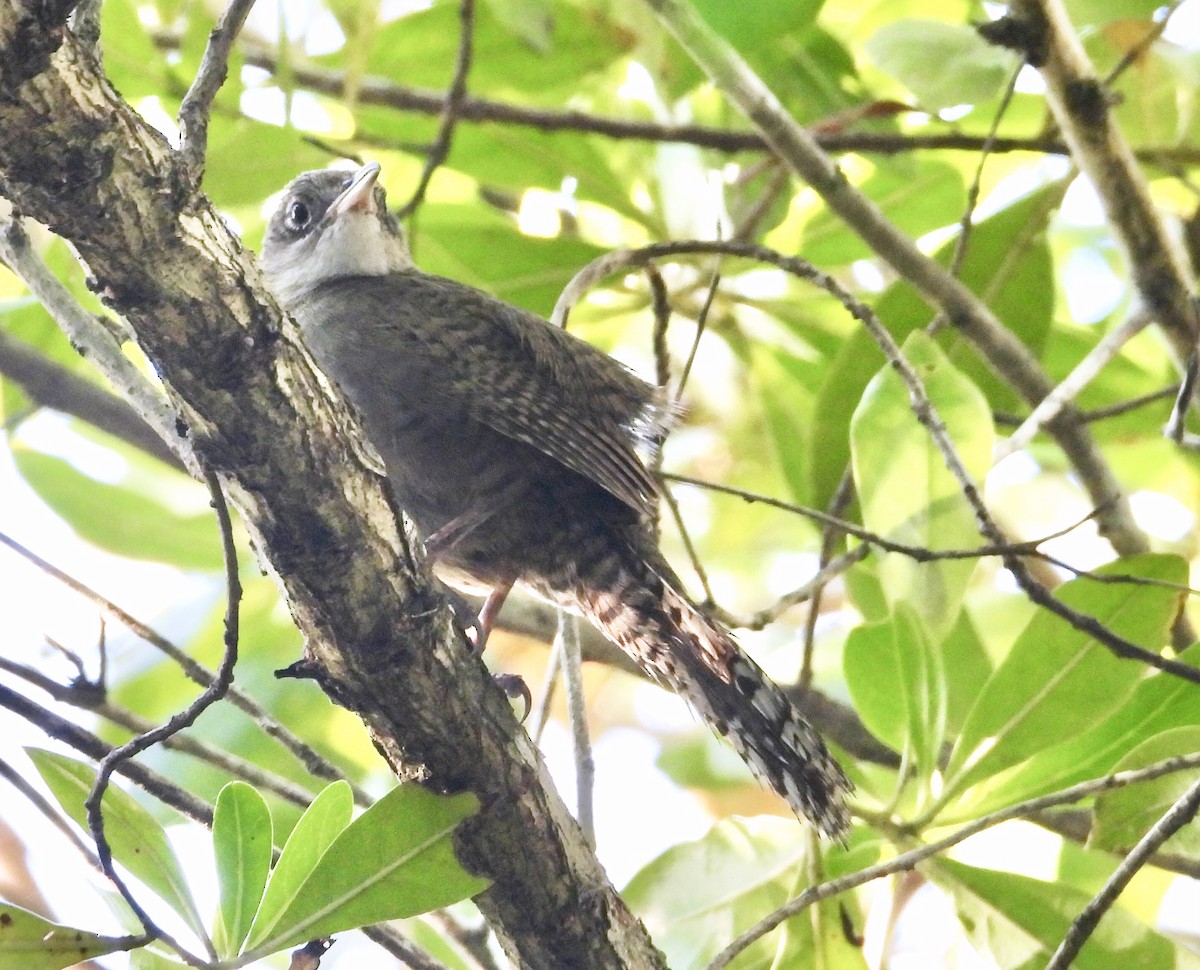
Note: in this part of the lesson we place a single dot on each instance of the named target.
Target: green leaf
(28, 942)
(1008, 258)
(421, 49)
(871, 664)
(1159, 704)
(324, 820)
(697, 896)
(918, 196)
(1123, 816)
(943, 64)
(967, 669)
(124, 519)
(396, 860)
(906, 491)
(532, 21)
(1057, 678)
(242, 840)
(1086, 12)
(1042, 912)
(898, 685)
(137, 841)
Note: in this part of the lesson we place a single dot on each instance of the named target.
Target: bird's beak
(359, 195)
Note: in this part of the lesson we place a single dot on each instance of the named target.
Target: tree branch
(1098, 146)
(1000, 348)
(379, 638)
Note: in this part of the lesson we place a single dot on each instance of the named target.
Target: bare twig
(381, 91)
(312, 761)
(1144, 43)
(923, 409)
(831, 537)
(44, 808)
(701, 323)
(1070, 387)
(1001, 348)
(214, 68)
(965, 224)
(908, 860)
(93, 338)
(450, 113)
(828, 571)
(1082, 927)
(213, 693)
(585, 765)
(86, 697)
(51, 385)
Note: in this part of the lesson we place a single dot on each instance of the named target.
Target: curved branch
(379, 638)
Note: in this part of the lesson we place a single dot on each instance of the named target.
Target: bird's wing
(455, 350)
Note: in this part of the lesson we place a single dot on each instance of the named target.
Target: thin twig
(450, 113)
(386, 93)
(970, 315)
(831, 537)
(1069, 388)
(660, 306)
(94, 339)
(966, 223)
(829, 570)
(689, 547)
(126, 752)
(1176, 427)
(922, 407)
(1084, 925)
(910, 859)
(540, 714)
(701, 324)
(86, 697)
(313, 762)
(214, 68)
(1144, 43)
(585, 765)
(44, 808)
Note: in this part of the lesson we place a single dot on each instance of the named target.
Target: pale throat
(353, 245)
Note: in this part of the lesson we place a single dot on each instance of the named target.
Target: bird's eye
(297, 215)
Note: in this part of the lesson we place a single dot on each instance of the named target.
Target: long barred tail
(645, 613)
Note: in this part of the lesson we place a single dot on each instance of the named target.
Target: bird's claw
(515, 688)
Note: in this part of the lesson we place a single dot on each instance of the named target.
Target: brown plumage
(513, 446)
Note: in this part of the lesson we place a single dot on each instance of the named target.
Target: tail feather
(639, 605)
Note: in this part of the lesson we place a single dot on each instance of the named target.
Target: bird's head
(329, 225)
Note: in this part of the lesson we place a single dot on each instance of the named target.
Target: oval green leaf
(29, 942)
(1123, 816)
(320, 825)
(1056, 679)
(907, 493)
(136, 839)
(395, 860)
(242, 840)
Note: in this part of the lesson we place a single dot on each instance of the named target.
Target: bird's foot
(515, 688)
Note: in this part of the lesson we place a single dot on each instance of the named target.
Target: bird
(515, 448)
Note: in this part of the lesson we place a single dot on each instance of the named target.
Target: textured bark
(74, 156)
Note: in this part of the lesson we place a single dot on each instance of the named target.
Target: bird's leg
(489, 611)
(445, 538)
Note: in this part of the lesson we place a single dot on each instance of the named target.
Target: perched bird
(513, 445)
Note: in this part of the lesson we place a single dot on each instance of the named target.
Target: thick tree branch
(1081, 107)
(379, 639)
(998, 346)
